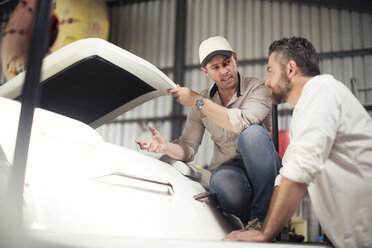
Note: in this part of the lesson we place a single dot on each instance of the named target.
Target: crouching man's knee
(252, 136)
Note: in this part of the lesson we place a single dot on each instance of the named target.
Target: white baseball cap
(213, 46)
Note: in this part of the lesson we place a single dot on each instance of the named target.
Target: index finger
(231, 236)
(172, 90)
(153, 130)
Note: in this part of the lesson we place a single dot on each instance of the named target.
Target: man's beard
(280, 94)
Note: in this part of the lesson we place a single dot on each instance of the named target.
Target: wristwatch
(200, 102)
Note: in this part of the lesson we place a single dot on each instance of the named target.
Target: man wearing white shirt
(330, 152)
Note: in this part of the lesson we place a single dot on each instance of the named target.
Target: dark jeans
(244, 187)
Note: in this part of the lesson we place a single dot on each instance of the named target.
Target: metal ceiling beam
(110, 3)
(359, 5)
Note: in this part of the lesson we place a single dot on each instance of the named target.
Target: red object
(283, 140)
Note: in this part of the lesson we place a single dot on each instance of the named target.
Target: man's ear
(235, 57)
(203, 69)
(292, 69)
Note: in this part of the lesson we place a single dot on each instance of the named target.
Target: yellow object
(299, 224)
(79, 19)
(198, 166)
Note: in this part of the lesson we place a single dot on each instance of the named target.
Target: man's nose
(267, 81)
(224, 70)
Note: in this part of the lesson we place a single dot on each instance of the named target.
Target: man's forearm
(217, 113)
(175, 151)
(286, 199)
(272, 201)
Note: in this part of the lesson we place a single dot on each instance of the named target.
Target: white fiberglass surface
(77, 184)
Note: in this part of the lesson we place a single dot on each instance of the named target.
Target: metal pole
(179, 63)
(275, 131)
(30, 99)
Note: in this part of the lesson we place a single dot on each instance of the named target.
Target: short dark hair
(300, 50)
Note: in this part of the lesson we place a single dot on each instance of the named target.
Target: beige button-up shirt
(250, 105)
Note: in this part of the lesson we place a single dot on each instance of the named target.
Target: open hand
(156, 143)
(245, 235)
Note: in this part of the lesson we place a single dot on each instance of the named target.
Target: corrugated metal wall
(342, 37)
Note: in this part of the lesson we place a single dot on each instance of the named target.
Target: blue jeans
(243, 187)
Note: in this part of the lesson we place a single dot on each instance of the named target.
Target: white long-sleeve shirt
(331, 150)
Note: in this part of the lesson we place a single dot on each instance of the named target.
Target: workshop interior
(139, 41)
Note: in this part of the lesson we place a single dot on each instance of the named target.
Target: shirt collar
(215, 88)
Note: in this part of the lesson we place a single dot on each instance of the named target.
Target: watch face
(200, 102)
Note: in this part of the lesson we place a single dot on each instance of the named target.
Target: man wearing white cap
(236, 111)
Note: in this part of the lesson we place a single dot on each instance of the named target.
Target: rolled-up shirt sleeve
(192, 134)
(278, 178)
(313, 130)
(254, 109)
